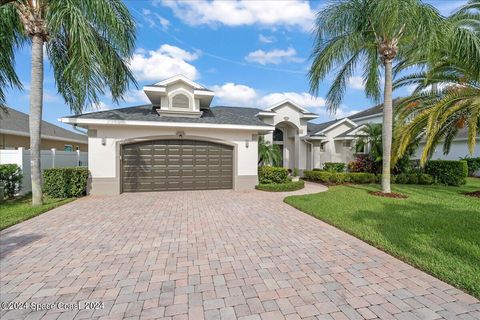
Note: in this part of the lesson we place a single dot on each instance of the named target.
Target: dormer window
(180, 101)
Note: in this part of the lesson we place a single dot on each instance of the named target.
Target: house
(15, 133)
(180, 142)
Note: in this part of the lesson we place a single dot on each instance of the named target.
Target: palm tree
(88, 44)
(268, 154)
(371, 138)
(447, 94)
(374, 34)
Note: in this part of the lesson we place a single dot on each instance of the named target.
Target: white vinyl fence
(48, 158)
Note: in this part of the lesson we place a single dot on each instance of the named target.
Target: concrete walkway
(208, 255)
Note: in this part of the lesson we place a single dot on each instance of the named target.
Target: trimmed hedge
(269, 175)
(363, 177)
(11, 176)
(339, 177)
(334, 166)
(473, 165)
(448, 172)
(65, 182)
(282, 187)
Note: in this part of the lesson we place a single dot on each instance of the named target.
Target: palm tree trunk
(36, 102)
(387, 127)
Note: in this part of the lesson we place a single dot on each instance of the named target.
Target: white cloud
(304, 99)
(356, 83)
(266, 39)
(136, 96)
(296, 13)
(153, 19)
(165, 62)
(235, 94)
(275, 56)
(100, 106)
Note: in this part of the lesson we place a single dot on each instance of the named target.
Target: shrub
(448, 172)
(65, 182)
(334, 166)
(401, 178)
(11, 176)
(339, 177)
(473, 165)
(424, 178)
(282, 187)
(268, 175)
(364, 163)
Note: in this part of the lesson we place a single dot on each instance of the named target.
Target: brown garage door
(162, 165)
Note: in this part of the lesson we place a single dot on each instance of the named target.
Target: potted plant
(295, 176)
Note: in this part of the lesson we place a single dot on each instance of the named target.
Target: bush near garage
(11, 176)
(282, 187)
(448, 172)
(334, 166)
(269, 175)
(339, 177)
(65, 182)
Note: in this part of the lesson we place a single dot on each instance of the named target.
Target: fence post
(20, 151)
(53, 157)
(78, 157)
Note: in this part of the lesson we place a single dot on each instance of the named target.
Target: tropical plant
(446, 98)
(372, 34)
(268, 154)
(371, 139)
(88, 44)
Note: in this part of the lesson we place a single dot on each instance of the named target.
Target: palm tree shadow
(10, 243)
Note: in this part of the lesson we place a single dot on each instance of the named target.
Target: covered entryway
(177, 164)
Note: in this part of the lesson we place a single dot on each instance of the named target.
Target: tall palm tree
(372, 34)
(87, 43)
(446, 98)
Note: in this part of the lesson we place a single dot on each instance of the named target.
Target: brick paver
(208, 255)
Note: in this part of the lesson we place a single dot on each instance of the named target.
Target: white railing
(48, 159)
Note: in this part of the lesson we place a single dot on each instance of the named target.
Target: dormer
(179, 97)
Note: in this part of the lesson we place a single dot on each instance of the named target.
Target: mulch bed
(388, 195)
(472, 194)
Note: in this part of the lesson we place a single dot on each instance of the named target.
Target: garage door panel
(176, 165)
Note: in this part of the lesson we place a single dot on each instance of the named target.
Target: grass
(436, 229)
(20, 209)
(282, 187)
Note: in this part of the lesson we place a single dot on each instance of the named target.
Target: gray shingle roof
(14, 120)
(214, 115)
(372, 111)
(313, 128)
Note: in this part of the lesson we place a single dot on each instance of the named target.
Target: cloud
(275, 56)
(153, 19)
(235, 94)
(100, 106)
(136, 96)
(266, 39)
(165, 62)
(304, 99)
(356, 83)
(295, 13)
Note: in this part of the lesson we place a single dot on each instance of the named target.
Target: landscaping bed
(434, 229)
(282, 187)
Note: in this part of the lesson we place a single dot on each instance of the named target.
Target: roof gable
(180, 78)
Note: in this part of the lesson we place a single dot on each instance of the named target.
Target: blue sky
(251, 53)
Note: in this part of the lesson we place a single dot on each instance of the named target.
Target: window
(347, 144)
(360, 148)
(68, 147)
(180, 101)
(278, 135)
(322, 147)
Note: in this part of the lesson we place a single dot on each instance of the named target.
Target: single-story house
(15, 133)
(180, 142)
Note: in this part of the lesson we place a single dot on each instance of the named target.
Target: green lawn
(436, 229)
(18, 210)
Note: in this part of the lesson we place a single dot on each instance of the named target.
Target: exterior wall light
(104, 141)
(247, 143)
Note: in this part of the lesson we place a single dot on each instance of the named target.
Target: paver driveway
(212, 255)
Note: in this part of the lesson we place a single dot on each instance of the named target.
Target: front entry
(163, 165)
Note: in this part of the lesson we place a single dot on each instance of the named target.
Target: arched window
(180, 101)
(278, 135)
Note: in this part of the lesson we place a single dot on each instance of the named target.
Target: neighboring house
(181, 142)
(15, 133)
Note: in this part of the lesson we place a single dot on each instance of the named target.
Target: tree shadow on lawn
(10, 242)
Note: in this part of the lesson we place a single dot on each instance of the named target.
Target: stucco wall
(458, 149)
(104, 161)
(8, 141)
